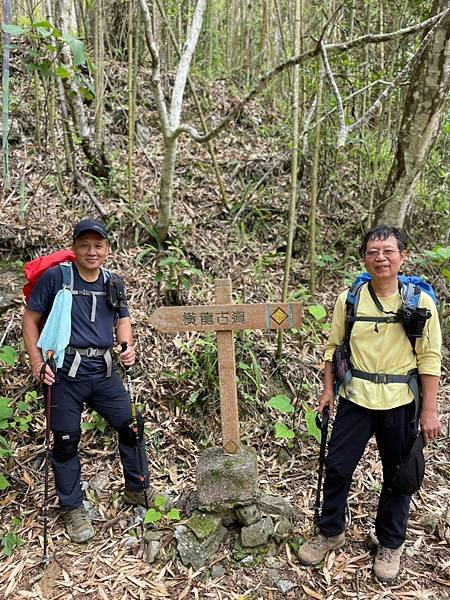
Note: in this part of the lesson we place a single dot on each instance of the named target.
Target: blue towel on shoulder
(57, 329)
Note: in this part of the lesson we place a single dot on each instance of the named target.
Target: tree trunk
(166, 188)
(98, 163)
(423, 110)
(5, 98)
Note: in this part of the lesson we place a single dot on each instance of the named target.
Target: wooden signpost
(225, 317)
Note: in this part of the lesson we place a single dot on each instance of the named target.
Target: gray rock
(152, 550)
(139, 513)
(248, 515)
(285, 586)
(227, 480)
(228, 517)
(130, 542)
(272, 562)
(283, 526)
(99, 483)
(203, 525)
(273, 576)
(257, 534)
(153, 535)
(194, 552)
(218, 571)
(429, 523)
(275, 505)
(92, 512)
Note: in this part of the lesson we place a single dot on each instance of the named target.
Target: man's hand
(430, 425)
(42, 372)
(326, 399)
(127, 356)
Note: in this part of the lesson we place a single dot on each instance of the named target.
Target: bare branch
(343, 130)
(376, 106)
(183, 65)
(386, 37)
(265, 79)
(240, 105)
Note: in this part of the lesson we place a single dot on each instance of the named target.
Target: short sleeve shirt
(384, 348)
(84, 333)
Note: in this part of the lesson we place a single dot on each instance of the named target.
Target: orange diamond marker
(279, 316)
(230, 447)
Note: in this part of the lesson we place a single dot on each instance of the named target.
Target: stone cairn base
(227, 497)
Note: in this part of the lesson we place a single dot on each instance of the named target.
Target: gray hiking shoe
(78, 525)
(315, 549)
(137, 498)
(387, 563)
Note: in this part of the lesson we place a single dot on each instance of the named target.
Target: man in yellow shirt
(368, 404)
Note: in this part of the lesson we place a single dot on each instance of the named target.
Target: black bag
(341, 362)
(116, 296)
(407, 477)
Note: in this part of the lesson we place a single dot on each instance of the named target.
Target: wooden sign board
(224, 317)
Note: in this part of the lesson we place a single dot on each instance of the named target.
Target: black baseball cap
(89, 225)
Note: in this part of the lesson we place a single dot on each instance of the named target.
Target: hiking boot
(138, 497)
(387, 563)
(78, 525)
(315, 549)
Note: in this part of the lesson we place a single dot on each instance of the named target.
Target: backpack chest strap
(389, 319)
(94, 299)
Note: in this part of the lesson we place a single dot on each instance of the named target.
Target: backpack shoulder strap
(351, 307)
(106, 274)
(410, 293)
(67, 275)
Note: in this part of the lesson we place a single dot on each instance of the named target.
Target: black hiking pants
(108, 397)
(353, 427)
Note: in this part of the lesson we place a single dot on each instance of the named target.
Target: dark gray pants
(354, 425)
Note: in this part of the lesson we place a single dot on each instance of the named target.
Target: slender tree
(424, 107)
(97, 160)
(294, 165)
(5, 102)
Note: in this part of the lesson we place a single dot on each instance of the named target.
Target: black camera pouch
(341, 362)
(414, 321)
(116, 296)
(406, 478)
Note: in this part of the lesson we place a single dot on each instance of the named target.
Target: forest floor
(176, 383)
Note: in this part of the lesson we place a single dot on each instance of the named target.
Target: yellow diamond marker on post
(231, 447)
(279, 316)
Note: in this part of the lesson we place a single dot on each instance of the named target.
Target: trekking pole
(322, 424)
(135, 424)
(47, 391)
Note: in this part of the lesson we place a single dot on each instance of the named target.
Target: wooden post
(227, 376)
(224, 317)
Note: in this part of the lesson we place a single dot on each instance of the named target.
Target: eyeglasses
(374, 253)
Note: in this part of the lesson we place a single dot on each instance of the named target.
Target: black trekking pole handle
(134, 419)
(47, 392)
(322, 424)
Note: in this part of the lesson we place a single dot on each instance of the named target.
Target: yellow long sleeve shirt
(387, 350)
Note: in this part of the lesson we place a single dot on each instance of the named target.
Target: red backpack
(33, 269)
